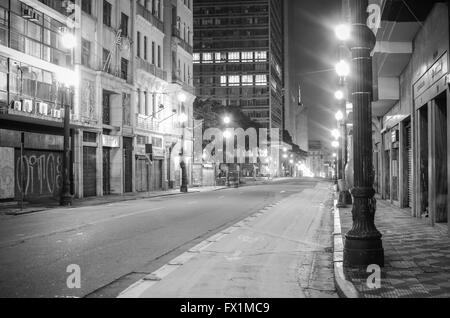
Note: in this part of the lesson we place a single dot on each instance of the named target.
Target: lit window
(196, 57)
(233, 57)
(234, 80)
(261, 56)
(247, 56)
(223, 81)
(247, 80)
(218, 57)
(261, 80)
(207, 58)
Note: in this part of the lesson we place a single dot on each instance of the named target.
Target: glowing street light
(343, 69)
(339, 116)
(182, 98)
(68, 39)
(336, 134)
(335, 155)
(339, 95)
(343, 32)
(335, 144)
(227, 120)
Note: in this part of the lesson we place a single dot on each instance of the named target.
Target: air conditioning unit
(42, 108)
(56, 113)
(27, 105)
(17, 105)
(35, 17)
(27, 13)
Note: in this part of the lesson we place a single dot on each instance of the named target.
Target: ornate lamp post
(183, 118)
(363, 245)
(67, 80)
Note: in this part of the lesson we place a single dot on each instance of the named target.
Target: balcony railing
(36, 110)
(146, 123)
(151, 69)
(150, 17)
(181, 42)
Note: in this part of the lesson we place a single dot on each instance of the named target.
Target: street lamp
(343, 69)
(343, 32)
(339, 116)
(336, 134)
(363, 244)
(227, 120)
(335, 144)
(339, 95)
(67, 79)
(183, 118)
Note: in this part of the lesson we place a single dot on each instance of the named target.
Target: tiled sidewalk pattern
(417, 257)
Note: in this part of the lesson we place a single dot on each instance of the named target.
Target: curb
(345, 288)
(17, 212)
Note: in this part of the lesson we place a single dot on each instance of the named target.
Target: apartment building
(132, 62)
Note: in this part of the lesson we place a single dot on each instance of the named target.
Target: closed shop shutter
(89, 171)
(410, 166)
(141, 175)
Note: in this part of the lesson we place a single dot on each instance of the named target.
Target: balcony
(150, 17)
(151, 69)
(181, 42)
(146, 123)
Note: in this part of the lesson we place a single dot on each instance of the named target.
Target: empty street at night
(117, 244)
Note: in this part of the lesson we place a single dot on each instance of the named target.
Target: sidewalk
(417, 256)
(284, 250)
(13, 209)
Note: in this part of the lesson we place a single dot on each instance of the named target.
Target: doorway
(423, 161)
(128, 164)
(440, 157)
(106, 171)
(89, 172)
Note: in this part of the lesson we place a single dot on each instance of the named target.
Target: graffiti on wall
(6, 173)
(42, 174)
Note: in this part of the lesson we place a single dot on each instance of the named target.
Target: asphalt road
(117, 244)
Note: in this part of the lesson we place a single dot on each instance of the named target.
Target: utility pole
(363, 244)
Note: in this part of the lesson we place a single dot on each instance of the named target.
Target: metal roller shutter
(410, 166)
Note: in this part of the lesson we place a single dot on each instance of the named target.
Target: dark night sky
(313, 50)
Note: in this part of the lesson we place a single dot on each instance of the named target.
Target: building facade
(133, 63)
(411, 135)
(238, 56)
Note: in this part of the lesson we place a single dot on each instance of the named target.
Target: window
(207, 58)
(138, 44)
(145, 48)
(85, 52)
(153, 52)
(106, 60)
(196, 57)
(86, 6)
(261, 80)
(261, 56)
(107, 9)
(124, 24)
(247, 80)
(234, 80)
(218, 57)
(159, 56)
(124, 69)
(233, 57)
(247, 56)
(223, 80)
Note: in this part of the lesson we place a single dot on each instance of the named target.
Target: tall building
(238, 56)
(133, 67)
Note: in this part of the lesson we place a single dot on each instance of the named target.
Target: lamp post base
(363, 252)
(184, 189)
(66, 200)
